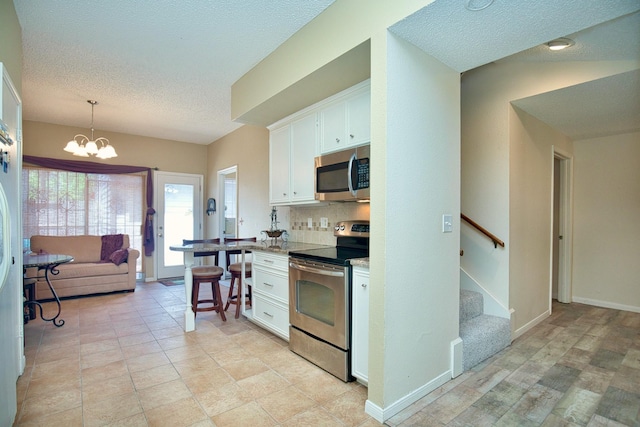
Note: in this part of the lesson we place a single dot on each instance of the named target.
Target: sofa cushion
(88, 270)
(119, 256)
(85, 248)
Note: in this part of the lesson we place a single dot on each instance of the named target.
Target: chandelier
(82, 146)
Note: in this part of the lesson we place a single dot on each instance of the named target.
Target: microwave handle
(352, 160)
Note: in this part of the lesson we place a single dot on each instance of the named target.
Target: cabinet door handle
(267, 314)
(267, 284)
(364, 285)
(351, 135)
(338, 140)
(269, 261)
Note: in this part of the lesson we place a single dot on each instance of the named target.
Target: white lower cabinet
(270, 292)
(360, 325)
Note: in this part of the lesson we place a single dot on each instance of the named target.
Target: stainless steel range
(320, 299)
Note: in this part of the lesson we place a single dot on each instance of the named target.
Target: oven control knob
(336, 228)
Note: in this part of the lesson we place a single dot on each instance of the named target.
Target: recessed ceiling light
(559, 44)
(476, 5)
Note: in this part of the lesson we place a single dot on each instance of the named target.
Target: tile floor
(123, 359)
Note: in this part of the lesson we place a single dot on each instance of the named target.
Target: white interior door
(228, 181)
(178, 217)
(228, 191)
(562, 233)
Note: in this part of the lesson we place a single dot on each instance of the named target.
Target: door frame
(221, 192)
(565, 225)
(197, 212)
(221, 218)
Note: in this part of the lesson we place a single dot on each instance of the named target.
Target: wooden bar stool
(207, 274)
(235, 269)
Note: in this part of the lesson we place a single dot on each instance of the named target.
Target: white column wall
(414, 265)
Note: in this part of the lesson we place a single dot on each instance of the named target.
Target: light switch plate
(447, 223)
(324, 223)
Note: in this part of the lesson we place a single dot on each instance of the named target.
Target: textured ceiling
(157, 68)
(515, 31)
(165, 68)
(603, 107)
(463, 39)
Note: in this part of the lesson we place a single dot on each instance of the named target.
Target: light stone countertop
(266, 246)
(360, 262)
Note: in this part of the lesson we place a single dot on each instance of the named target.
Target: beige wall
(11, 42)
(606, 221)
(48, 140)
(530, 213)
(248, 149)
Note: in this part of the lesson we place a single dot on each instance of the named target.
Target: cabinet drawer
(271, 260)
(271, 283)
(271, 315)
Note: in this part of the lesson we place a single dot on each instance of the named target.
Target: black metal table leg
(53, 268)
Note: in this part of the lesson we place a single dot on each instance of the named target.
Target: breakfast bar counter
(280, 247)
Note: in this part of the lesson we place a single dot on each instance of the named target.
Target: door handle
(159, 234)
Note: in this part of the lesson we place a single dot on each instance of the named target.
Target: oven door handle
(316, 270)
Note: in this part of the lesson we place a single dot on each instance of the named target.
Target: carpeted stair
(482, 335)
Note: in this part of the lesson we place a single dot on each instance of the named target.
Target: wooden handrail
(483, 230)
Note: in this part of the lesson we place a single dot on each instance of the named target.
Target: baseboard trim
(457, 361)
(383, 414)
(531, 324)
(606, 304)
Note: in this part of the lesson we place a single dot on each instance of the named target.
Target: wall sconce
(211, 206)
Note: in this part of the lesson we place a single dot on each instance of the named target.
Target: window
(61, 203)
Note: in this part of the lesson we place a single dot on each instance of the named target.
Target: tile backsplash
(294, 219)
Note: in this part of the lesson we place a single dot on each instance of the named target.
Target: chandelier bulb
(82, 146)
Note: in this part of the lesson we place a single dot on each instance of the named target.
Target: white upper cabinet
(304, 137)
(279, 142)
(336, 123)
(333, 125)
(345, 121)
(292, 149)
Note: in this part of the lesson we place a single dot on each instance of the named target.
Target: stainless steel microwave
(343, 175)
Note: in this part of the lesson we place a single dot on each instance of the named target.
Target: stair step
(471, 305)
(482, 337)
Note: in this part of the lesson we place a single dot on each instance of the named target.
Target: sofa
(101, 264)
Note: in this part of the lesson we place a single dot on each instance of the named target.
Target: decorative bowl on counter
(274, 234)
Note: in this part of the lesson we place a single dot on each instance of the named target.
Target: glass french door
(178, 217)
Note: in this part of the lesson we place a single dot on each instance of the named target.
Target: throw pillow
(119, 256)
(110, 244)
